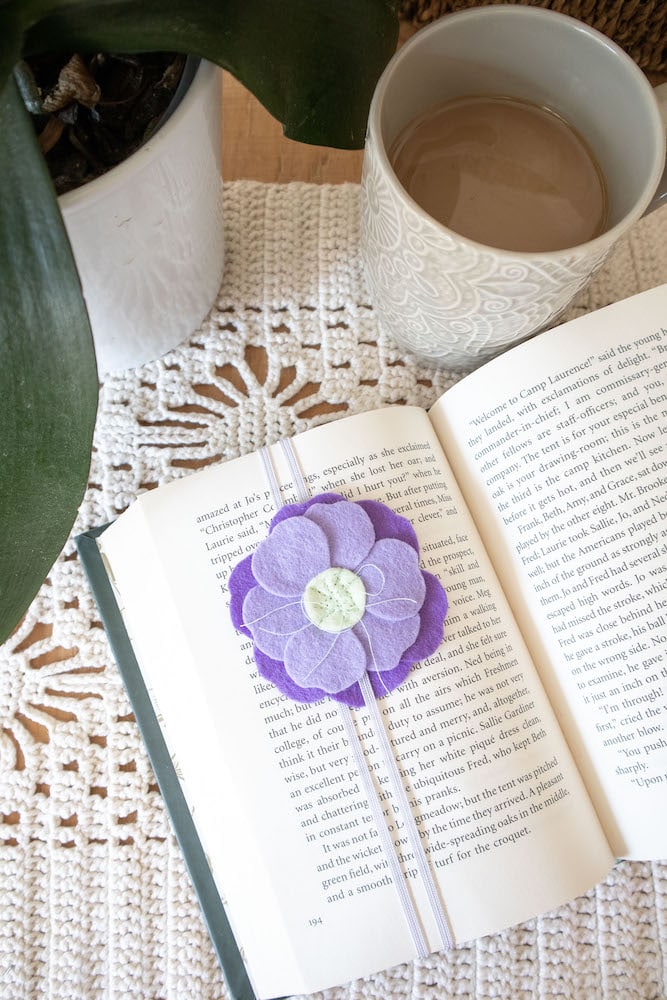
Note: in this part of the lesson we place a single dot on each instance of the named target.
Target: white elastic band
(365, 775)
(300, 486)
(398, 878)
(270, 473)
(401, 798)
(297, 475)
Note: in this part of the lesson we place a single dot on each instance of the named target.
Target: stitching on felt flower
(378, 570)
(378, 672)
(274, 611)
(384, 612)
(313, 669)
(394, 600)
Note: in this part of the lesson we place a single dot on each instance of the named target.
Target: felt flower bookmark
(337, 606)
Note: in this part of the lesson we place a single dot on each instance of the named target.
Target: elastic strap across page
(399, 879)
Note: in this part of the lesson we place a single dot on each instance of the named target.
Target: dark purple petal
(348, 529)
(432, 620)
(330, 661)
(388, 524)
(384, 683)
(272, 619)
(385, 641)
(240, 582)
(393, 579)
(351, 696)
(295, 552)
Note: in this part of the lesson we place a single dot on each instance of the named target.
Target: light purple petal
(386, 641)
(295, 552)
(394, 583)
(325, 660)
(274, 671)
(348, 529)
(432, 617)
(298, 509)
(272, 620)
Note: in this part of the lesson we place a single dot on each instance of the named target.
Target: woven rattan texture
(638, 26)
(95, 903)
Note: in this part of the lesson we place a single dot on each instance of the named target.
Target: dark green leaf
(312, 63)
(48, 379)
(10, 41)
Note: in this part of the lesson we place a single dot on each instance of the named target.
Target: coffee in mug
(503, 172)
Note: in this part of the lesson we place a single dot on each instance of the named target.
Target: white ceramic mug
(448, 299)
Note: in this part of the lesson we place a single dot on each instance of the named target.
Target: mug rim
(589, 247)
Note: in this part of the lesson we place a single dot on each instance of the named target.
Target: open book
(532, 744)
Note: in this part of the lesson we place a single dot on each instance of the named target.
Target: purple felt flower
(336, 590)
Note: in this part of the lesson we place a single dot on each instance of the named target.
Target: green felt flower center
(335, 600)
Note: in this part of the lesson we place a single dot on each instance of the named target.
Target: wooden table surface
(254, 147)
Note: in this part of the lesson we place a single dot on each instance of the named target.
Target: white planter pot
(148, 236)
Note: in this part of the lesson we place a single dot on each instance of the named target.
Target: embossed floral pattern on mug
(448, 299)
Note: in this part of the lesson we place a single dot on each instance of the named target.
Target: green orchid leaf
(312, 63)
(11, 37)
(48, 378)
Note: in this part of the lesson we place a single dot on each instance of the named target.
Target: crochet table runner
(95, 901)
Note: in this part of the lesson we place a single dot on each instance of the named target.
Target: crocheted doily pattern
(95, 901)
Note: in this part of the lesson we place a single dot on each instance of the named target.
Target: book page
(279, 806)
(561, 448)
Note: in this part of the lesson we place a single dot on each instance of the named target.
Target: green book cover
(233, 968)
